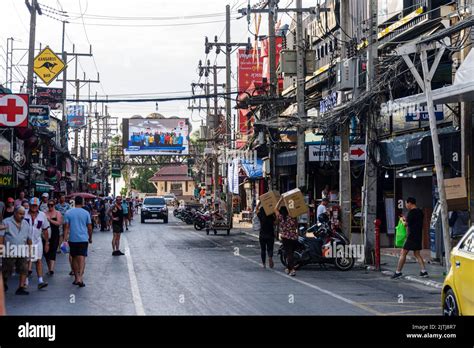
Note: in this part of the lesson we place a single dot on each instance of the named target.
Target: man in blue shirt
(78, 232)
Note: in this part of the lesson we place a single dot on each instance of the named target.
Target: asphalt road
(171, 269)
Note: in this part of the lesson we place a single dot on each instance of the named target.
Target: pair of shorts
(117, 228)
(19, 263)
(78, 248)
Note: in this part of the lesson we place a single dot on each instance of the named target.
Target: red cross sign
(14, 110)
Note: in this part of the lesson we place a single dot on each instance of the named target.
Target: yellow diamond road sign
(48, 65)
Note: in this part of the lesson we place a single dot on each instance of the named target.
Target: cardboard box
(269, 201)
(294, 202)
(456, 194)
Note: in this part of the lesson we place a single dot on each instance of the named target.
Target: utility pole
(273, 82)
(216, 147)
(33, 8)
(228, 107)
(64, 125)
(300, 95)
(228, 86)
(345, 194)
(467, 125)
(370, 171)
(77, 84)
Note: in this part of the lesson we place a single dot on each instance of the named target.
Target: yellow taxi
(458, 288)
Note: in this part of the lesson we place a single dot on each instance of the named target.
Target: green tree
(140, 180)
(123, 191)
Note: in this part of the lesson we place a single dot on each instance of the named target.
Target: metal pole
(228, 108)
(437, 157)
(76, 131)
(370, 171)
(64, 125)
(300, 95)
(273, 80)
(216, 126)
(345, 194)
(34, 7)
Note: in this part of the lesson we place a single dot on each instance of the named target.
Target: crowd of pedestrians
(33, 231)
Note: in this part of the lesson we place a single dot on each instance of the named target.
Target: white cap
(45, 195)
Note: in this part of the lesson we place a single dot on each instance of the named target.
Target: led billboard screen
(156, 137)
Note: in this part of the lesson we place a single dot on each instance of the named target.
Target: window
(468, 243)
(176, 186)
(154, 201)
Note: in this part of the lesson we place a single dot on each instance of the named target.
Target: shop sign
(6, 176)
(324, 153)
(5, 148)
(328, 102)
(417, 114)
(39, 115)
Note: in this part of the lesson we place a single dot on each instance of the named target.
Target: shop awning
(254, 170)
(462, 90)
(409, 148)
(288, 158)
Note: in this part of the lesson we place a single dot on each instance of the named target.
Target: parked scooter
(329, 246)
(201, 219)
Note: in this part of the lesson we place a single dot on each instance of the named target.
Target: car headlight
(144, 209)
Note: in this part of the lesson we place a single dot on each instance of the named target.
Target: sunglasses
(50, 205)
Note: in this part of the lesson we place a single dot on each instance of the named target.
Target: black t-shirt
(117, 212)
(8, 214)
(415, 224)
(267, 224)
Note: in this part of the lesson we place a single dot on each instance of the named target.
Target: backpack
(256, 224)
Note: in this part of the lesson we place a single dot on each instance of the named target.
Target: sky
(139, 57)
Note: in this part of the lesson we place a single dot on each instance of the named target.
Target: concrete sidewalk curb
(426, 282)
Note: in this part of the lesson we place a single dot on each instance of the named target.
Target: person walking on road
(55, 220)
(44, 202)
(414, 224)
(15, 231)
(10, 208)
(62, 207)
(125, 214)
(103, 216)
(116, 215)
(39, 230)
(20, 199)
(78, 233)
(289, 236)
(266, 236)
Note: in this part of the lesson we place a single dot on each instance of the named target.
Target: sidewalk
(411, 270)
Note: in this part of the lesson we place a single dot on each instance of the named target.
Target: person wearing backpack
(266, 234)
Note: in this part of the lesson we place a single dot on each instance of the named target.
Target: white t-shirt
(36, 229)
(321, 210)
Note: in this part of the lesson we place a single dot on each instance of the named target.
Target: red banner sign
(14, 110)
(250, 68)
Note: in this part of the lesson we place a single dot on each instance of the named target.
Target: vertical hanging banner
(250, 71)
(14, 110)
(76, 117)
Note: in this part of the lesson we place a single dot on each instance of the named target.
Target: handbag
(400, 234)
(256, 224)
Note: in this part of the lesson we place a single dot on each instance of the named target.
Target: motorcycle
(329, 246)
(201, 220)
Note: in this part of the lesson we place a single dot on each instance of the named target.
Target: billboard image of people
(157, 137)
